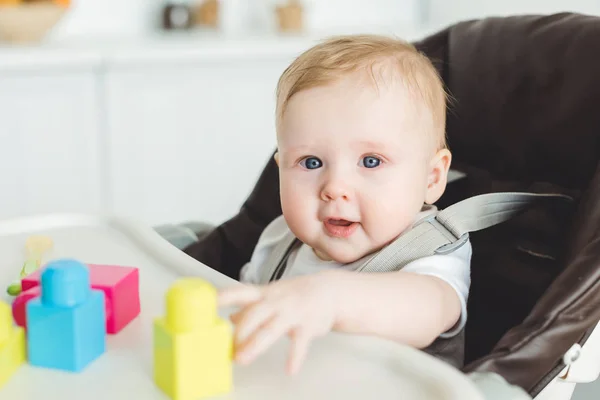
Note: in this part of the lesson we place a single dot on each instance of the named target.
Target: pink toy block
(18, 305)
(121, 291)
(121, 288)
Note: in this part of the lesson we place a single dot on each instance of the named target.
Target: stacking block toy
(18, 305)
(192, 346)
(12, 345)
(121, 292)
(66, 324)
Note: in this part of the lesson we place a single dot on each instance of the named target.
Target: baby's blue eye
(311, 163)
(371, 162)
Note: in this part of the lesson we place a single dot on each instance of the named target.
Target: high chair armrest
(494, 387)
(199, 228)
(184, 234)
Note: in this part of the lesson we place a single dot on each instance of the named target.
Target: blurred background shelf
(171, 47)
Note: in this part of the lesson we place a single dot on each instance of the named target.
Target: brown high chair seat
(525, 117)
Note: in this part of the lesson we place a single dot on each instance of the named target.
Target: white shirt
(454, 268)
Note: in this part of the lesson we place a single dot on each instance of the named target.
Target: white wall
(109, 17)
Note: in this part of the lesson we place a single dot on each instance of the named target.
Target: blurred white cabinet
(162, 130)
(49, 142)
(188, 140)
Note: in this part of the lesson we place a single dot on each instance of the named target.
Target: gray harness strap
(445, 231)
(486, 210)
(275, 264)
(441, 232)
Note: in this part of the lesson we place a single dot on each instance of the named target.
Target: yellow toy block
(193, 346)
(12, 345)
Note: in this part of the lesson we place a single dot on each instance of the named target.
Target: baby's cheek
(297, 188)
(293, 204)
(380, 205)
(388, 216)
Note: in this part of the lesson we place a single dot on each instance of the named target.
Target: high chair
(523, 118)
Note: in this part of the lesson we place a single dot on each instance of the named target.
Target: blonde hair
(339, 56)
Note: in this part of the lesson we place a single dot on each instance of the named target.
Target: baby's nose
(335, 191)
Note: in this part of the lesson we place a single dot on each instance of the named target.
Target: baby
(362, 157)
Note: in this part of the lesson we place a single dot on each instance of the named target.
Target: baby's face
(356, 165)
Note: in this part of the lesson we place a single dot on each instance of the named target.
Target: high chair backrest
(524, 118)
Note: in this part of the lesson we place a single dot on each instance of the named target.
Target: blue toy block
(66, 324)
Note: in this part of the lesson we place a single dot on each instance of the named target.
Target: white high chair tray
(338, 366)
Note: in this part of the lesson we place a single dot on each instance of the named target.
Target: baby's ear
(276, 157)
(438, 176)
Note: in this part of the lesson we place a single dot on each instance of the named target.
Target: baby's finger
(262, 339)
(235, 317)
(252, 318)
(300, 342)
(239, 295)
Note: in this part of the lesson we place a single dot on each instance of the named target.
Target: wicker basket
(28, 22)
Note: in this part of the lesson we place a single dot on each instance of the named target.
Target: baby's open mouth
(341, 228)
(340, 222)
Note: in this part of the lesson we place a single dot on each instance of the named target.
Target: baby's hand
(302, 308)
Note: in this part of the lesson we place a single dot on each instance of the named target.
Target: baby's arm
(407, 307)
(425, 300)
(413, 306)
